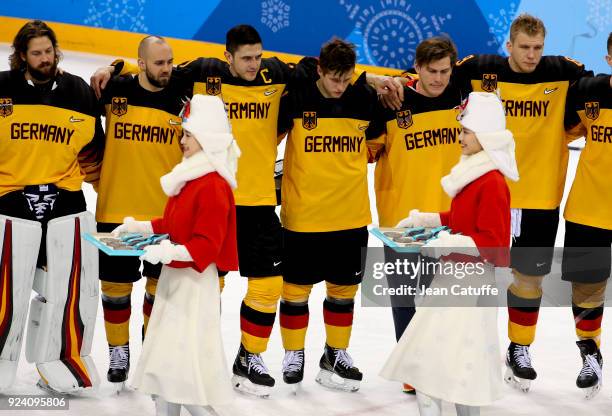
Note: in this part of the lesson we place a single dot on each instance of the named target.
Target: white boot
(164, 408)
(463, 410)
(200, 410)
(428, 406)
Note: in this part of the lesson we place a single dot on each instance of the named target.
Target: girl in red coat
(182, 360)
(449, 352)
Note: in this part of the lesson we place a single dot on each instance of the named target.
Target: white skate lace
(521, 355)
(591, 365)
(119, 357)
(343, 358)
(293, 361)
(256, 363)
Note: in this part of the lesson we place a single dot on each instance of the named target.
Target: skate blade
(335, 382)
(119, 387)
(296, 388)
(590, 392)
(521, 384)
(244, 385)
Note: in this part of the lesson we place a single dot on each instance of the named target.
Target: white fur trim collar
(466, 171)
(189, 169)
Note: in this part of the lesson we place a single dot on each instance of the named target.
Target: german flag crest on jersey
(6, 107)
(119, 106)
(213, 85)
(309, 120)
(489, 82)
(591, 110)
(404, 119)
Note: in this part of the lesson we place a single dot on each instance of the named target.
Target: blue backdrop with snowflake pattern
(386, 32)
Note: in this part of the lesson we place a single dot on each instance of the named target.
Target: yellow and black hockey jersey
(252, 108)
(419, 145)
(48, 133)
(143, 133)
(325, 184)
(590, 199)
(535, 107)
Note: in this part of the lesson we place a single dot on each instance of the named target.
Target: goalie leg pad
(19, 243)
(62, 316)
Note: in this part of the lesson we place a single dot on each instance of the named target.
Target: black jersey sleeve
(91, 155)
(583, 90)
(304, 71)
(378, 125)
(285, 114)
(198, 69)
(463, 73)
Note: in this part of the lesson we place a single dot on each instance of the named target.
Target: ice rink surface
(554, 353)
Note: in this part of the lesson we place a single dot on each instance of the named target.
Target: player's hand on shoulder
(100, 78)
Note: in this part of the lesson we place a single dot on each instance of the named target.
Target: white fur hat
(483, 113)
(205, 118)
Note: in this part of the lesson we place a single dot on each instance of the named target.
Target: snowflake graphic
(499, 26)
(390, 33)
(117, 14)
(600, 13)
(275, 14)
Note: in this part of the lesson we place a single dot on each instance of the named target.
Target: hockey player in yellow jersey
(325, 209)
(418, 146)
(142, 144)
(251, 87)
(534, 89)
(588, 220)
(51, 140)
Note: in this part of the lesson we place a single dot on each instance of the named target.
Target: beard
(157, 82)
(44, 72)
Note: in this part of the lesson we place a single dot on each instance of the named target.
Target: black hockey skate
(251, 375)
(293, 368)
(119, 357)
(337, 371)
(590, 377)
(519, 371)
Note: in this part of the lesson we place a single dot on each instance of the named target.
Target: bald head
(145, 44)
(155, 61)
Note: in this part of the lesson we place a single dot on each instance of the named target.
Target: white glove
(420, 219)
(130, 225)
(165, 252)
(447, 243)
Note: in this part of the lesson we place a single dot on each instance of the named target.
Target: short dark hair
(241, 35)
(337, 56)
(434, 49)
(32, 29)
(610, 44)
(528, 24)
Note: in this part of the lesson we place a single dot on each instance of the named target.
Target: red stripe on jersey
(589, 324)
(523, 318)
(117, 316)
(337, 319)
(147, 307)
(294, 321)
(250, 328)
